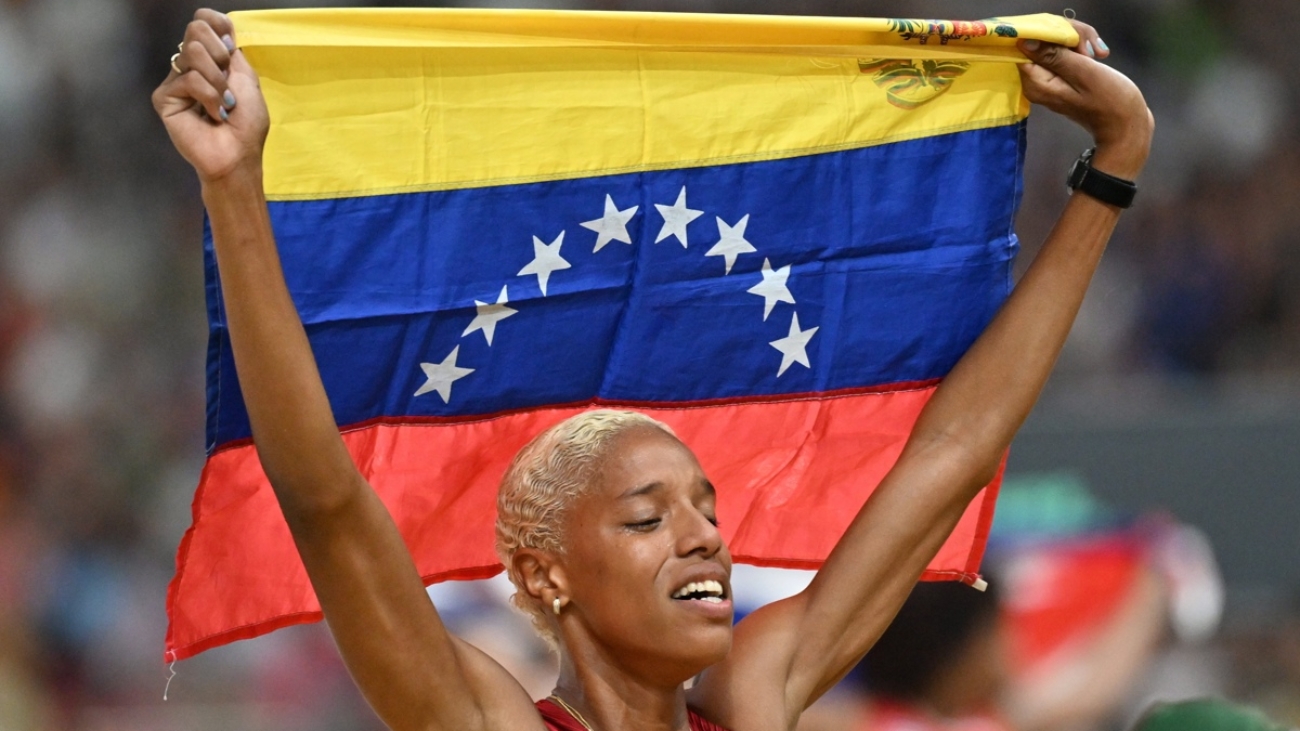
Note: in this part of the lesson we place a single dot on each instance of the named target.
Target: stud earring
(555, 605)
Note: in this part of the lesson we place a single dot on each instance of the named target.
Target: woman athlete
(607, 523)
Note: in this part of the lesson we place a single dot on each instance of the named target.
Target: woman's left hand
(1100, 99)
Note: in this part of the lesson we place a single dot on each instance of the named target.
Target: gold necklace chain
(571, 711)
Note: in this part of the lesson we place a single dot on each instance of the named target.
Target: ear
(543, 576)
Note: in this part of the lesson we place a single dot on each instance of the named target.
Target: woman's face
(648, 573)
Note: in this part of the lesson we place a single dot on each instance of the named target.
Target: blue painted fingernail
(221, 111)
(229, 99)
(1087, 46)
(1101, 45)
(229, 42)
(1031, 45)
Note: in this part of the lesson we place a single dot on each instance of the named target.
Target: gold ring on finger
(176, 68)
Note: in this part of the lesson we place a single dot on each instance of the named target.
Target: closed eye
(644, 525)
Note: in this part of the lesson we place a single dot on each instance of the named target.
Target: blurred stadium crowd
(102, 339)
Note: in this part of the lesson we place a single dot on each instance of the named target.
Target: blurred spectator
(1091, 612)
(942, 664)
(956, 659)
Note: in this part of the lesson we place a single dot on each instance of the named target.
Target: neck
(611, 698)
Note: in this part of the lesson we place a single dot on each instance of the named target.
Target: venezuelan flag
(775, 234)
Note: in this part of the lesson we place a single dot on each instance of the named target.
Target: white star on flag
(676, 217)
(488, 315)
(546, 259)
(794, 347)
(612, 226)
(773, 288)
(732, 242)
(442, 375)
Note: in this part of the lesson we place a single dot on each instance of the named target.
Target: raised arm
(789, 653)
(411, 670)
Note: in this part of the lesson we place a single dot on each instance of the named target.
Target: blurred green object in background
(1047, 505)
(1205, 714)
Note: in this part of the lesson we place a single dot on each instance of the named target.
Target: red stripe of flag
(239, 575)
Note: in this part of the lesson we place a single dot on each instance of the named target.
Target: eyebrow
(650, 487)
(645, 489)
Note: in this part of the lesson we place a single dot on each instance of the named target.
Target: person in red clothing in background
(948, 662)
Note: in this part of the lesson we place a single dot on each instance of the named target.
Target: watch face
(1077, 172)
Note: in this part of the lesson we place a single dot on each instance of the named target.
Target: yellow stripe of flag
(367, 102)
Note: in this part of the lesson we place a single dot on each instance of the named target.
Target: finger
(1041, 86)
(1037, 76)
(242, 81)
(1057, 59)
(208, 72)
(239, 65)
(202, 39)
(219, 22)
(171, 97)
(1090, 42)
(1041, 79)
(196, 60)
(200, 94)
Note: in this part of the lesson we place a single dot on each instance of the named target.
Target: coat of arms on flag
(751, 227)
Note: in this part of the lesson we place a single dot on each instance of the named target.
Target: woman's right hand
(214, 110)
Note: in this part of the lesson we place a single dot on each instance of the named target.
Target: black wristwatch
(1108, 189)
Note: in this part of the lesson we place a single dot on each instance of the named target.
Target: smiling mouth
(705, 591)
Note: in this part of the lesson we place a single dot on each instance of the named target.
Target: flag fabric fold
(775, 234)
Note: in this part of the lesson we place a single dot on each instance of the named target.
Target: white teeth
(710, 588)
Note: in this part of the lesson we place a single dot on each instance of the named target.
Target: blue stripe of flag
(899, 254)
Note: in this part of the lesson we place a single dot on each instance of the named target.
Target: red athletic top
(888, 715)
(558, 719)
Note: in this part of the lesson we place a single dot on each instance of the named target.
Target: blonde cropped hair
(540, 485)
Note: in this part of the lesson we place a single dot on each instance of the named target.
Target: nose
(697, 534)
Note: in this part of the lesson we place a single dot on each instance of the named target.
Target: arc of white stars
(794, 346)
(612, 226)
(487, 316)
(546, 259)
(773, 288)
(676, 217)
(732, 242)
(440, 376)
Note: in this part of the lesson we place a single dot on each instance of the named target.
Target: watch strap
(1106, 188)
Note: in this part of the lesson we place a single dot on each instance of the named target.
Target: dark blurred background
(1178, 392)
